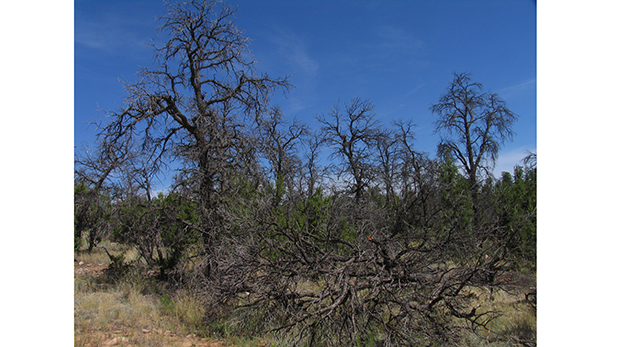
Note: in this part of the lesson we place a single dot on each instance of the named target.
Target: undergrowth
(125, 296)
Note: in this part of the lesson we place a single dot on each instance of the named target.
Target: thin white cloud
(293, 49)
(389, 46)
(112, 33)
(515, 89)
(294, 104)
(414, 90)
(398, 40)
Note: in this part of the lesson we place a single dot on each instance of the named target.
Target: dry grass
(124, 312)
(515, 323)
(99, 256)
(131, 310)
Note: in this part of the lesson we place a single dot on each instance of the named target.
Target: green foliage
(92, 216)
(243, 195)
(315, 212)
(81, 189)
(347, 231)
(318, 217)
(368, 340)
(457, 204)
(77, 235)
(132, 216)
(79, 217)
(516, 209)
(163, 229)
(167, 304)
(177, 214)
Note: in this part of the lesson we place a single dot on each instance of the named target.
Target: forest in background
(341, 235)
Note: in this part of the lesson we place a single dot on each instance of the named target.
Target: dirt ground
(130, 336)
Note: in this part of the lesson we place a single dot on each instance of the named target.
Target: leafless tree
(387, 162)
(409, 169)
(473, 125)
(279, 143)
(352, 133)
(194, 106)
(313, 172)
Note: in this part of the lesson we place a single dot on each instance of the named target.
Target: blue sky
(398, 54)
